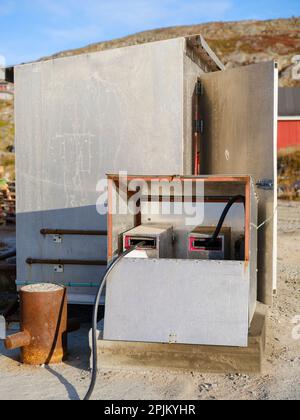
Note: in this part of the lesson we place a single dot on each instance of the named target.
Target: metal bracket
(57, 239)
(2, 328)
(59, 269)
(172, 338)
(265, 184)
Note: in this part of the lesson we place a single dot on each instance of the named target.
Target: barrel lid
(42, 288)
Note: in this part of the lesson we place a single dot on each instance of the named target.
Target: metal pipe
(194, 199)
(73, 232)
(32, 261)
(18, 340)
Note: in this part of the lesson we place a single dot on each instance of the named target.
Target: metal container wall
(78, 118)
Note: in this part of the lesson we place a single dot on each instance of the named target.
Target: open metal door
(239, 108)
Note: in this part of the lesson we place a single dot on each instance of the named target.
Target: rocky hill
(236, 43)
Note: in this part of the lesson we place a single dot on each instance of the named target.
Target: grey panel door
(239, 108)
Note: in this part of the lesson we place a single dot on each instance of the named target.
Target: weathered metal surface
(239, 108)
(289, 134)
(192, 72)
(221, 295)
(43, 337)
(18, 340)
(168, 213)
(78, 118)
(200, 302)
(289, 102)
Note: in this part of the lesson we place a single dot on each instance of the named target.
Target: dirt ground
(280, 380)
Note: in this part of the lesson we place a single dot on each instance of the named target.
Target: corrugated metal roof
(289, 102)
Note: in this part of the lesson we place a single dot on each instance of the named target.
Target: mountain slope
(236, 43)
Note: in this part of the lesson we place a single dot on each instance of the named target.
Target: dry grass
(7, 134)
(289, 175)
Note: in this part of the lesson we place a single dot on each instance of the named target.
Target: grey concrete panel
(239, 114)
(78, 118)
(188, 301)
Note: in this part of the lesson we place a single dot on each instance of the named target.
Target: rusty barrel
(43, 336)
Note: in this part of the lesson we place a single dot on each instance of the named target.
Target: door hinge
(199, 89)
(265, 184)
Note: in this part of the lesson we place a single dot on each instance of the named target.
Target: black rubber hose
(8, 254)
(95, 319)
(224, 215)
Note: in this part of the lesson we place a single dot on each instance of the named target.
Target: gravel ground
(280, 380)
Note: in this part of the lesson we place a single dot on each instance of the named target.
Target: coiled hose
(95, 318)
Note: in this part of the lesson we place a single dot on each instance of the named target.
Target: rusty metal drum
(43, 336)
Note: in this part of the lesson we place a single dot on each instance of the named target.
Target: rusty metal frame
(113, 179)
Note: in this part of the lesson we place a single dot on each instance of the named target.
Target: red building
(289, 119)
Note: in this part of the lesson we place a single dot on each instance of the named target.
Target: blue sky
(30, 29)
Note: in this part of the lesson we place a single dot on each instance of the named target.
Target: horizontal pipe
(34, 261)
(67, 284)
(73, 232)
(187, 199)
(17, 341)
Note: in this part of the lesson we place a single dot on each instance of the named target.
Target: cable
(266, 221)
(224, 215)
(8, 254)
(95, 319)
